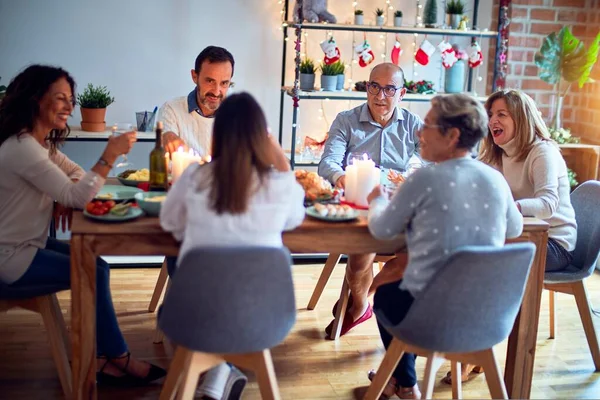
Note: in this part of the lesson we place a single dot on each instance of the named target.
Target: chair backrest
(230, 300)
(472, 303)
(585, 200)
(17, 293)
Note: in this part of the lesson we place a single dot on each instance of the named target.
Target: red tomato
(98, 203)
(97, 211)
(89, 207)
(110, 204)
(105, 210)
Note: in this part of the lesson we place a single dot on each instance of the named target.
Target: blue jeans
(53, 264)
(557, 257)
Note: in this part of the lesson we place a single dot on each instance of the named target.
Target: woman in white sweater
(246, 196)
(35, 178)
(519, 145)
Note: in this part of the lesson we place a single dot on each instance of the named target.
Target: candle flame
(208, 159)
(180, 149)
(365, 156)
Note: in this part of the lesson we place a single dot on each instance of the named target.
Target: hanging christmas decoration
(475, 55)
(396, 52)
(332, 52)
(449, 57)
(426, 49)
(364, 53)
(298, 58)
(419, 18)
(503, 27)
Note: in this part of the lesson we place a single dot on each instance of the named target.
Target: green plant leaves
(590, 59)
(95, 97)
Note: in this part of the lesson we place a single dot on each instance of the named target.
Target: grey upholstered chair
(227, 304)
(42, 299)
(585, 201)
(444, 321)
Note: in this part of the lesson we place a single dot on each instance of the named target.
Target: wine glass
(117, 130)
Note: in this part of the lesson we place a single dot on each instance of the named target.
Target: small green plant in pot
(340, 68)
(307, 74)
(93, 102)
(454, 12)
(328, 76)
(359, 17)
(379, 18)
(563, 60)
(398, 18)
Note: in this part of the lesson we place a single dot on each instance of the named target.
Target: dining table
(144, 236)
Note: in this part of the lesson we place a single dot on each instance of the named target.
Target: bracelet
(102, 161)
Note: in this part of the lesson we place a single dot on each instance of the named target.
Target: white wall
(143, 50)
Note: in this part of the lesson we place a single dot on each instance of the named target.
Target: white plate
(315, 214)
(132, 213)
(117, 192)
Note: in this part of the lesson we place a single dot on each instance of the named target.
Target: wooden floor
(307, 366)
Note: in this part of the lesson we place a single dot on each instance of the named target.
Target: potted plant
(339, 68)
(398, 18)
(358, 17)
(328, 76)
(454, 11)
(307, 74)
(563, 60)
(93, 102)
(430, 14)
(379, 19)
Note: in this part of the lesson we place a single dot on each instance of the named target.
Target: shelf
(392, 29)
(354, 95)
(77, 135)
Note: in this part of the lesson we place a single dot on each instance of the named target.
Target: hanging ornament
(426, 49)
(332, 52)
(365, 54)
(396, 53)
(475, 55)
(449, 57)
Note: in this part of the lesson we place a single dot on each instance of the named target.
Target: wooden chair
(163, 278)
(444, 322)
(330, 264)
(587, 250)
(227, 304)
(42, 299)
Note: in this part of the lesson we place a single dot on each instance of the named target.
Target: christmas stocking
(365, 54)
(396, 53)
(449, 57)
(332, 52)
(475, 55)
(426, 49)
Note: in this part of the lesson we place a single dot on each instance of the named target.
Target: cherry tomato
(96, 211)
(110, 204)
(105, 210)
(89, 207)
(98, 203)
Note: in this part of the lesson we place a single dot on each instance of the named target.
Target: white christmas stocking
(426, 49)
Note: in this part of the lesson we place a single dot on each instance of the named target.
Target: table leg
(520, 356)
(83, 317)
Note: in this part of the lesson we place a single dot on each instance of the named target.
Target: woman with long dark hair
(35, 175)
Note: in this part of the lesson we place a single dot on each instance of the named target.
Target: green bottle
(158, 164)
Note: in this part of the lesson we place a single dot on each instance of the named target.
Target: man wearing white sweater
(188, 120)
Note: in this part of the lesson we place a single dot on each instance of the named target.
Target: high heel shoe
(127, 379)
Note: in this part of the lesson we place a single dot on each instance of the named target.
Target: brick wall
(531, 21)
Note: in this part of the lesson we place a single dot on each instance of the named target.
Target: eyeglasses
(388, 91)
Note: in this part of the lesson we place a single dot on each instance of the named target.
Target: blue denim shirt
(193, 104)
(355, 131)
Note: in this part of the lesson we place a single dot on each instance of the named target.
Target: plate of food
(133, 177)
(332, 212)
(116, 193)
(316, 189)
(109, 211)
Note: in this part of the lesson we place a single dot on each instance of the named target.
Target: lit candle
(178, 163)
(367, 178)
(350, 190)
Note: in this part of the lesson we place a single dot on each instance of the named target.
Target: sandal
(465, 374)
(389, 390)
(127, 379)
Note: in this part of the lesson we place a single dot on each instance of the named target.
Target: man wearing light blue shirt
(387, 134)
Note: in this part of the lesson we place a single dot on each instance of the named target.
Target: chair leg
(492, 373)
(265, 375)
(159, 336)
(456, 383)
(199, 362)
(52, 316)
(341, 310)
(163, 276)
(583, 305)
(551, 295)
(181, 359)
(434, 361)
(385, 370)
(330, 264)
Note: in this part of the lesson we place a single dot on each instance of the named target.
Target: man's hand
(63, 216)
(172, 142)
(377, 192)
(341, 182)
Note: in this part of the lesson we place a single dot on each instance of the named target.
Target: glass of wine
(117, 130)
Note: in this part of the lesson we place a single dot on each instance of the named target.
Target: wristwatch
(102, 161)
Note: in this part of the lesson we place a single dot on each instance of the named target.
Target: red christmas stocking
(475, 55)
(365, 54)
(396, 53)
(332, 52)
(425, 51)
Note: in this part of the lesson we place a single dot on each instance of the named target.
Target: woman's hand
(395, 177)
(119, 145)
(63, 216)
(278, 157)
(379, 191)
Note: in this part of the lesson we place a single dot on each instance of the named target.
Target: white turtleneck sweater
(540, 186)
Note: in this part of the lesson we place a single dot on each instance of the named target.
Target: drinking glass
(352, 156)
(117, 130)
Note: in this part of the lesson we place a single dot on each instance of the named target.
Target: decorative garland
(297, 59)
(502, 57)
